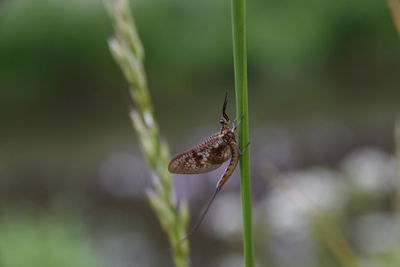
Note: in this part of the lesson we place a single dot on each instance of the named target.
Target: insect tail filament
(203, 215)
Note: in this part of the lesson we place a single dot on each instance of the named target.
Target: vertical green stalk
(240, 64)
(128, 52)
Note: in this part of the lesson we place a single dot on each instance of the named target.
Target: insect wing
(185, 164)
(205, 157)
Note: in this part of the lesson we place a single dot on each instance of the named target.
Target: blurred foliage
(395, 9)
(44, 242)
(54, 54)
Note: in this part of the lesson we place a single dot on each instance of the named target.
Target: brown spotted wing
(205, 157)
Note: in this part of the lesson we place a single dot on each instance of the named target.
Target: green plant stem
(240, 64)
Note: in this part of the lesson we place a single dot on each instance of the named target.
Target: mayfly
(208, 156)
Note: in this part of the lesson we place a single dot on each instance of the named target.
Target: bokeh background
(324, 96)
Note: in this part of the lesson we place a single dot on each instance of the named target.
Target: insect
(209, 155)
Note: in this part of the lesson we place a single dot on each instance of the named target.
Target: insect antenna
(224, 106)
(196, 226)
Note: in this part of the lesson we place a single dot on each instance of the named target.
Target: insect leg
(240, 151)
(236, 123)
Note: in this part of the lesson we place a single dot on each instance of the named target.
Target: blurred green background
(324, 95)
